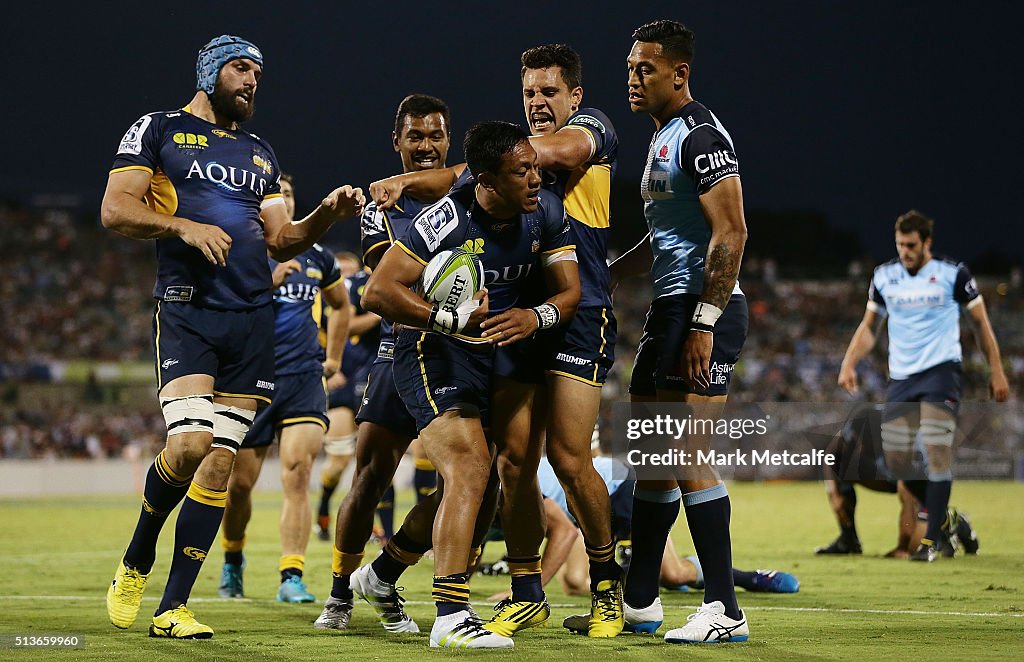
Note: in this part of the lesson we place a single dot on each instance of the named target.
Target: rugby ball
(451, 278)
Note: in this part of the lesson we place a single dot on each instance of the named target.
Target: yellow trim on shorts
(159, 378)
(604, 341)
(570, 247)
(132, 167)
(589, 382)
(410, 253)
(299, 420)
(242, 395)
(423, 368)
(204, 495)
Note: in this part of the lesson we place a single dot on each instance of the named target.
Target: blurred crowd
(75, 292)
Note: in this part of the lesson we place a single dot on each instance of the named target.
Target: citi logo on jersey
(713, 161)
(229, 177)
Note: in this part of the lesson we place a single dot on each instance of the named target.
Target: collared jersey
(210, 175)
(923, 312)
(689, 154)
(510, 249)
(382, 228)
(297, 311)
(586, 194)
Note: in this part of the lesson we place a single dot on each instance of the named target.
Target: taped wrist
(704, 317)
(547, 315)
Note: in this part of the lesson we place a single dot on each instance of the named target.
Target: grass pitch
(59, 556)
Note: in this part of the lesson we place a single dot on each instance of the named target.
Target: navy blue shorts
(348, 396)
(235, 347)
(622, 510)
(382, 404)
(583, 349)
(658, 364)
(941, 384)
(299, 398)
(435, 374)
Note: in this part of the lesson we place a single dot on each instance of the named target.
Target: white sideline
(558, 605)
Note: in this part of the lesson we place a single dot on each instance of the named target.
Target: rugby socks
(328, 485)
(602, 564)
(194, 533)
(386, 512)
(291, 565)
(847, 525)
(526, 576)
(233, 551)
(744, 579)
(164, 490)
(937, 501)
(654, 513)
(424, 479)
(451, 593)
(400, 553)
(343, 565)
(707, 514)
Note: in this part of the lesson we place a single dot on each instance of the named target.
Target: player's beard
(226, 103)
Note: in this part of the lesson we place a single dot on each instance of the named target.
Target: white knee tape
(897, 437)
(190, 413)
(937, 432)
(230, 425)
(345, 445)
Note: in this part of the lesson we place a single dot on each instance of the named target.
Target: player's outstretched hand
(344, 202)
(510, 326)
(697, 359)
(386, 192)
(848, 379)
(211, 241)
(283, 270)
(1000, 387)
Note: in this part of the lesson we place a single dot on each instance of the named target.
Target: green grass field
(58, 557)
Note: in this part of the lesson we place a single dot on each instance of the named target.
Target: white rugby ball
(452, 277)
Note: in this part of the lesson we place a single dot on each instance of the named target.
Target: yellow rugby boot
(511, 617)
(179, 623)
(606, 619)
(125, 595)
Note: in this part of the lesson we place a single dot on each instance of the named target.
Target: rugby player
(297, 416)
(208, 193)
(345, 389)
(576, 148)
(921, 295)
(422, 138)
(444, 374)
(696, 325)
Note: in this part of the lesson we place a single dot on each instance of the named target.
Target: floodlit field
(59, 556)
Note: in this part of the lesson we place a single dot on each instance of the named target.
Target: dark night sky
(857, 110)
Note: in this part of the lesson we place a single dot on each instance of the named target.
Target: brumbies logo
(221, 133)
(262, 163)
(194, 553)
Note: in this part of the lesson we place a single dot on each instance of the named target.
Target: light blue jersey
(550, 488)
(689, 154)
(923, 311)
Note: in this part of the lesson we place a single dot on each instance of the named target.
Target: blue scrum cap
(219, 52)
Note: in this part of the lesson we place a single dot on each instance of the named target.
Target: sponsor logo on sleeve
(436, 223)
(132, 141)
(372, 221)
(713, 161)
(589, 120)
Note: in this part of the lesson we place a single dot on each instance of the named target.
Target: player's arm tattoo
(723, 267)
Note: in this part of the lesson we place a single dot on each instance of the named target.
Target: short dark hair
(915, 221)
(675, 38)
(287, 177)
(487, 142)
(421, 105)
(555, 55)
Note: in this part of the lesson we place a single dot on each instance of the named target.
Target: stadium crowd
(73, 294)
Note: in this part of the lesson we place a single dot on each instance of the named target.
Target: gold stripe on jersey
(587, 193)
(133, 167)
(410, 253)
(162, 197)
(340, 281)
(366, 253)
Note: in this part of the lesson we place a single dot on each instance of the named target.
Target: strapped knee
(938, 432)
(230, 425)
(343, 445)
(190, 413)
(897, 437)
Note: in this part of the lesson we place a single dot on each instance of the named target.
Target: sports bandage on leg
(230, 425)
(190, 413)
(897, 437)
(343, 445)
(938, 432)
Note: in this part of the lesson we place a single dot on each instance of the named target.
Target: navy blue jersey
(209, 175)
(360, 351)
(586, 193)
(379, 229)
(510, 249)
(297, 303)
